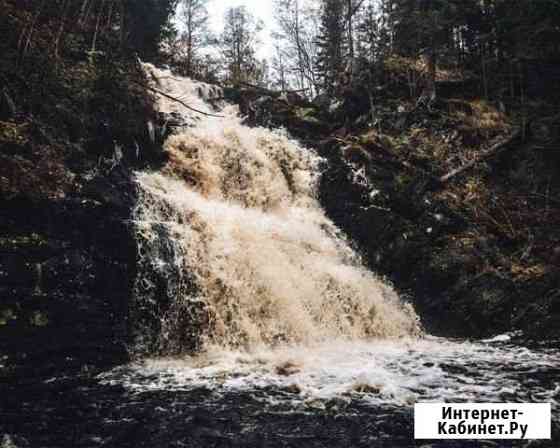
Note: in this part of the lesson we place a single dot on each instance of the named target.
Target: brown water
(237, 208)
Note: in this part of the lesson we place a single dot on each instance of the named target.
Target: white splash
(397, 372)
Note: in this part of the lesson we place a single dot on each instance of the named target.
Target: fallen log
(177, 100)
(273, 93)
(380, 154)
(490, 152)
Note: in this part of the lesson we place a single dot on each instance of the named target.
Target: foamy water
(379, 372)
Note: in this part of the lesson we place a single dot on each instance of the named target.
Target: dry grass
(526, 273)
(481, 119)
(402, 66)
(407, 68)
(526, 230)
(13, 133)
(44, 177)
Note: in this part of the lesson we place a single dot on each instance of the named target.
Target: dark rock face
(397, 233)
(302, 118)
(66, 272)
(407, 234)
(542, 77)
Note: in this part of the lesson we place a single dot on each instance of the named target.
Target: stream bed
(335, 395)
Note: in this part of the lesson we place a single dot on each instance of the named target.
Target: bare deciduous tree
(238, 43)
(194, 18)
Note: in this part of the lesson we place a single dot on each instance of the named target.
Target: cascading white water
(232, 226)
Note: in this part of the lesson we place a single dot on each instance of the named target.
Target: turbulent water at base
(378, 372)
(254, 261)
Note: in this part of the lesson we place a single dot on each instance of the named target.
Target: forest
(227, 231)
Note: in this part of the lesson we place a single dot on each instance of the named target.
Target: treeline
(228, 56)
(340, 41)
(98, 25)
(322, 46)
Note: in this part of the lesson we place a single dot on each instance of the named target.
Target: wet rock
(13, 441)
(293, 389)
(555, 255)
(67, 267)
(288, 368)
(72, 270)
(16, 270)
(365, 388)
(116, 190)
(322, 101)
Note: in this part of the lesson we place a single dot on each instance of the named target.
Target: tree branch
(495, 149)
(273, 93)
(182, 103)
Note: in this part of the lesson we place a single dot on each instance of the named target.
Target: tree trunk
(99, 15)
(189, 40)
(350, 30)
(431, 61)
(484, 75)
(31, 30)
(61, 27)
(492, 151)
(297, 35)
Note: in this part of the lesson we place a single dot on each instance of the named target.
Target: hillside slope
(72, 125)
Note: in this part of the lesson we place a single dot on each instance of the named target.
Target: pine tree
(368, 34)
(147, 23)
(194, 17)
(238, 42)
(426, 29)
(331, 45)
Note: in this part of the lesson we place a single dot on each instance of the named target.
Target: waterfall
(234, 249)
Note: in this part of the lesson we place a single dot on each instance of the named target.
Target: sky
(261, 9)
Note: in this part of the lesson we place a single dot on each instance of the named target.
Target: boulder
(322, 101)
